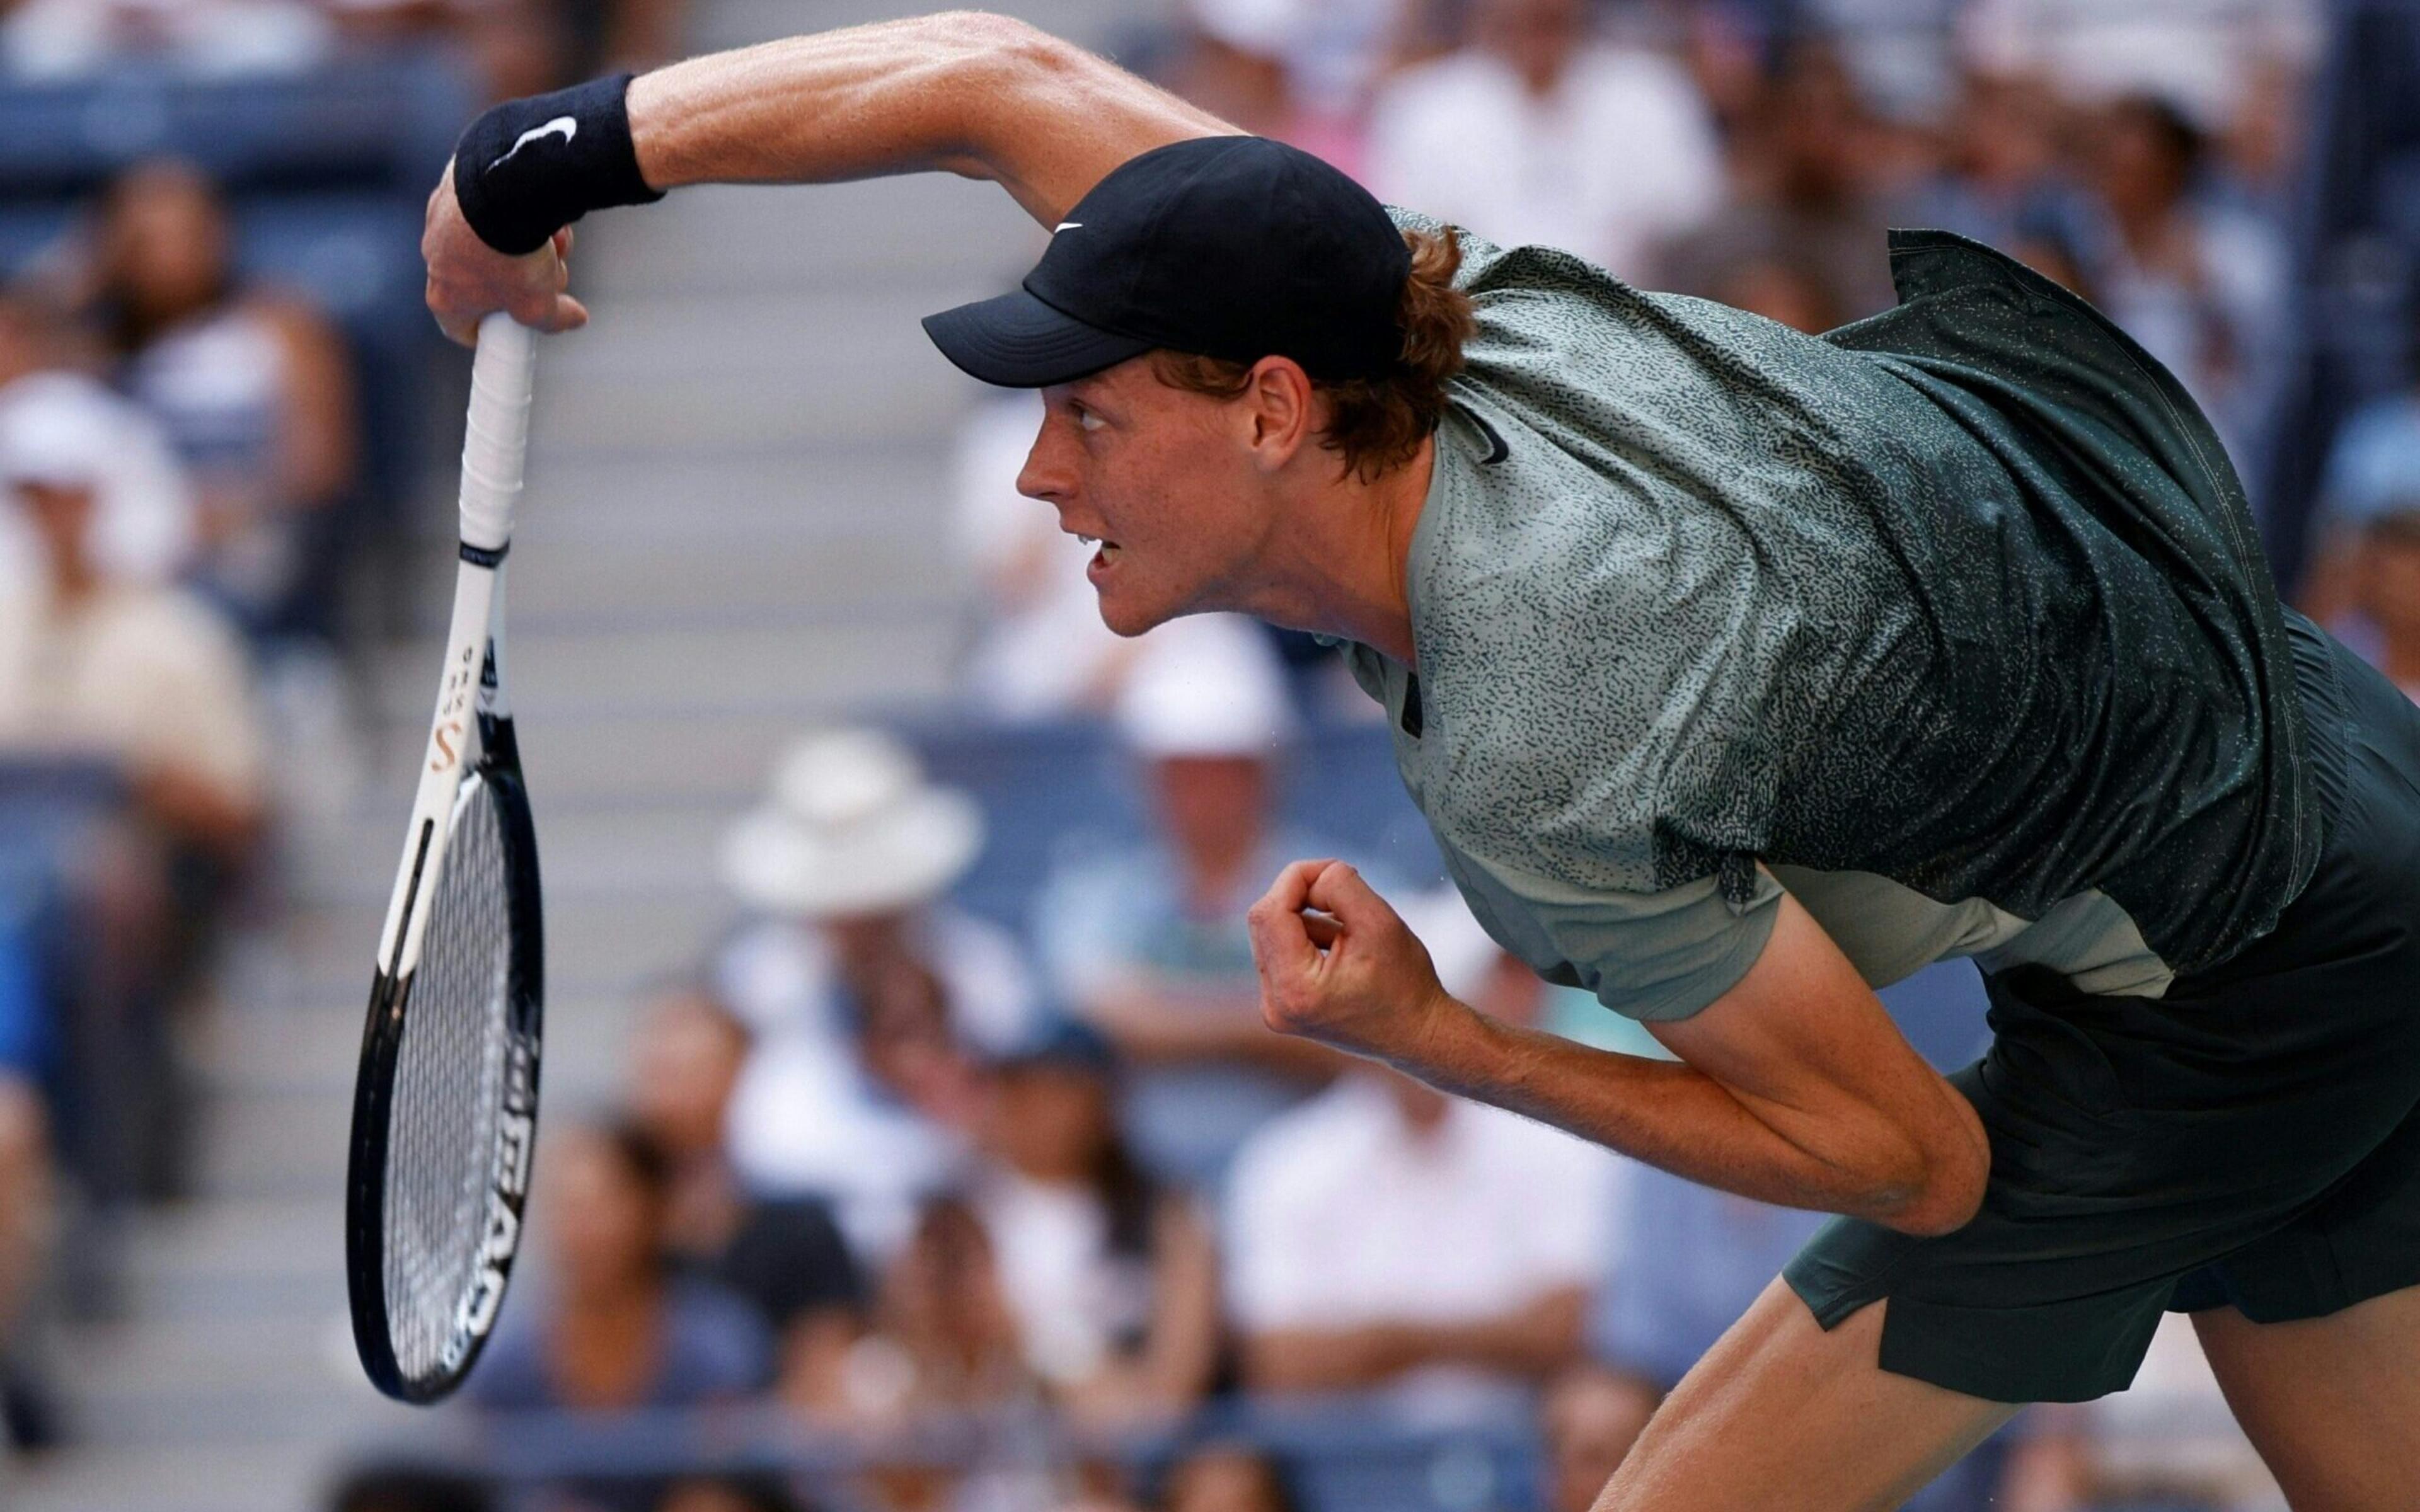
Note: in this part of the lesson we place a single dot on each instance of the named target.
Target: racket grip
(496, 438)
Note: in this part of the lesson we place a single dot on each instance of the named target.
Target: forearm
(1150, 1027)
(1793, 1086)
(982, 96)
(1532, 1341)
(1675, 1118)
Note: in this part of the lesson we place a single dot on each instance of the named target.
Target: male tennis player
(1736, 671)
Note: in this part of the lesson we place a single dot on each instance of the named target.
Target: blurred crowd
(1030, 1210)
(512, 47)
(183, 455)
(170, 436)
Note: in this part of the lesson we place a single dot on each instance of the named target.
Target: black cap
(1235, 247)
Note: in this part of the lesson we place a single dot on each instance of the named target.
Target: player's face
(1156, 475)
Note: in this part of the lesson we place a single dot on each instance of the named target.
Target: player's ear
(1279, 410)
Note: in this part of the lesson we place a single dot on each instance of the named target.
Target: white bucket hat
(66, 430)
(853, 828)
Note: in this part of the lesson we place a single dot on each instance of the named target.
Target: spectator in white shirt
(1537, 134)
(144, 676)
(148, 682)
(1111, 1274)
(1386, 1235)
(254, 386)
(1148, 943)
(865, 992)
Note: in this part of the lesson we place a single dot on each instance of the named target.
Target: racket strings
(449, 1093)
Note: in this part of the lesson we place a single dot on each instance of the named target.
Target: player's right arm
(981, 95)
(1793, 1087)
(977, 95)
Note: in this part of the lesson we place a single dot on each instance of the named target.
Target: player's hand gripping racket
(445, 1109)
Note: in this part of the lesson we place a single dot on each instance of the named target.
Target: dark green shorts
(2251, 1140)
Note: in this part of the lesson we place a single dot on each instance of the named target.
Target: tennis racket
(445, 1105)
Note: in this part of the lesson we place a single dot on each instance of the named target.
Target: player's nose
(1047, 474)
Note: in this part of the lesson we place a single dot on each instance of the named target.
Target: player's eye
(1087, 418)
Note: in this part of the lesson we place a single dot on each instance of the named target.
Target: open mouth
(1104, 552)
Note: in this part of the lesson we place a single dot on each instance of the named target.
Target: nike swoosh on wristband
(565, 124)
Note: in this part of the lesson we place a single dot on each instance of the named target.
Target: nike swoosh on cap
(565, 124)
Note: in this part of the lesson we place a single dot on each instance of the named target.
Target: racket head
(446, 1103)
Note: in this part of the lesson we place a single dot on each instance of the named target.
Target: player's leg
(2332, 1403)
(1782, 1413)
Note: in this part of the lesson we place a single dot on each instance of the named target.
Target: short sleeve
(1653, 956)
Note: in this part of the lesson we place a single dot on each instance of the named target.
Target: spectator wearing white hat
(862, 986)
(143, 520)
(93, 664)
(1149, 944)
(148, 681)
(1387, 1235)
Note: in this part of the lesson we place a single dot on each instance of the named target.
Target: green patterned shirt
(1951, 622)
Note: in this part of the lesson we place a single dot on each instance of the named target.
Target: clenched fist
(468, 279)
(1337, 966)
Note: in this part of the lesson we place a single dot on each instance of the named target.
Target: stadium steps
(740, 479)
(644, 673)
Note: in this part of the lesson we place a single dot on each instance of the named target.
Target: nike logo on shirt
(1067, 225)
(564, 124)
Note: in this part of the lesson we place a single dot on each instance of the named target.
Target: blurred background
(909, 1141)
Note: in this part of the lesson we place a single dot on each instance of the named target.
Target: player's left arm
(1793, 1087)
(985, 96)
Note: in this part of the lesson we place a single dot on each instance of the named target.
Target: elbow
(1942, 1205)
(1000, 72)
(1003, 41)
(1936, 1185)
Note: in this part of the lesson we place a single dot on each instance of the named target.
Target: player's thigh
(1781, 1413)
(2332, 1403)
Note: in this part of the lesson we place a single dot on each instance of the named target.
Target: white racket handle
(496, 439)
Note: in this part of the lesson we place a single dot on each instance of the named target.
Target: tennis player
(1737, 671)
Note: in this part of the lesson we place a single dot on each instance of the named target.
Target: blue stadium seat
(1340, 1454)
(386, 120)
(1044, 787)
